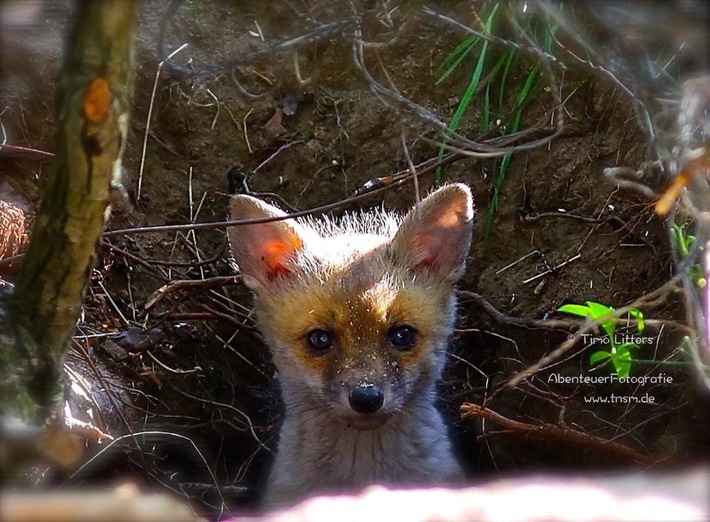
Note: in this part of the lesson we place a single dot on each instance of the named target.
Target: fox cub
(357, 316)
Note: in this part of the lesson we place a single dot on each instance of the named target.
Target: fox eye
(402, 337)
(320, 340)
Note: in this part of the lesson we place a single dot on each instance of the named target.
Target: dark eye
(402, 337)
(320, 340)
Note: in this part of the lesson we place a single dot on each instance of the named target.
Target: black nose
(366, 399)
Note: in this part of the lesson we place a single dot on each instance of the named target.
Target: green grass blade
(464, 103)
(509, 57)
(493, 206)
(469, 92)
(486, 123)
(457, 56)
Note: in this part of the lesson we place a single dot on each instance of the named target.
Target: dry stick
(113, 304)
(658, 294)
(92, 124)
(9, 260)
(316, 210)
(246, 131)
(230, 319)
(25, 150)
(111, 398)
(278, 151)
(550, 431)
(412, 168)
(151, 271)
(150, 114)
(172, 286)
(175, 285)
(172, 370)
(134, 437)
(208, 316)
(219, 253)
(193, 217)
(552, 269)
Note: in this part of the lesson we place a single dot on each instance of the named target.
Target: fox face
(357, 314)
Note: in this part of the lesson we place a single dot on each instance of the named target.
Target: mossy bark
(39, 316)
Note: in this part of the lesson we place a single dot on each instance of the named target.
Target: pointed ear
(263, 251)
(435, 236)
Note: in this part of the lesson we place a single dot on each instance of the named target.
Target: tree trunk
(39, 317)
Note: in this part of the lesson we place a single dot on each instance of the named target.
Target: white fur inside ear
(435, 236)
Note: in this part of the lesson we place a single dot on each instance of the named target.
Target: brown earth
(203, 373)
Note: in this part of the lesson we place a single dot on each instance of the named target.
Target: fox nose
(366, 398)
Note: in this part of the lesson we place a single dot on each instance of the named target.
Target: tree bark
(39, 317)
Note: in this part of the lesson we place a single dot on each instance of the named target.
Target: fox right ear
(263, 251)
(435, 237)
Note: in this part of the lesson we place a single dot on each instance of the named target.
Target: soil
(192, 365)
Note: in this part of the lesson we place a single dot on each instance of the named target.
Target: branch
(92, 114)
(550, 431)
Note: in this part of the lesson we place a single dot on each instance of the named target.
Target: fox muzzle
(366, 398)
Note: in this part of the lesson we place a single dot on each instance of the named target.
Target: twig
(113, 303)
(136, 435)
(25, 150)
(412, 168)
(278, 151)
(150, 114)
(316, 210)
(173, 286)
(552, 269)
(246, 130)
(470, 411)
(172, 370)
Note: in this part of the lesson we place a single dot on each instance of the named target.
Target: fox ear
(435, 236)
(263, 251)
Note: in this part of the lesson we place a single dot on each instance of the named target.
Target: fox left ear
(435, 236)
(265, 252)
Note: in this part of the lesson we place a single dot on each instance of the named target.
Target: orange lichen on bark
(96, 101)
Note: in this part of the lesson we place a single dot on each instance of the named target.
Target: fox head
(357, 314)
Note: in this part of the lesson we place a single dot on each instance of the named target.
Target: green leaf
(609, 327)
(598, 357)
(575, 309)
(621, 358)
(620, 353)
(625, 348)
(623, 368)
(599, 310)
(683, 240)
(638, 315)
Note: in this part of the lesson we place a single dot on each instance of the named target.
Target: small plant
(684, 240)
(619, 353)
